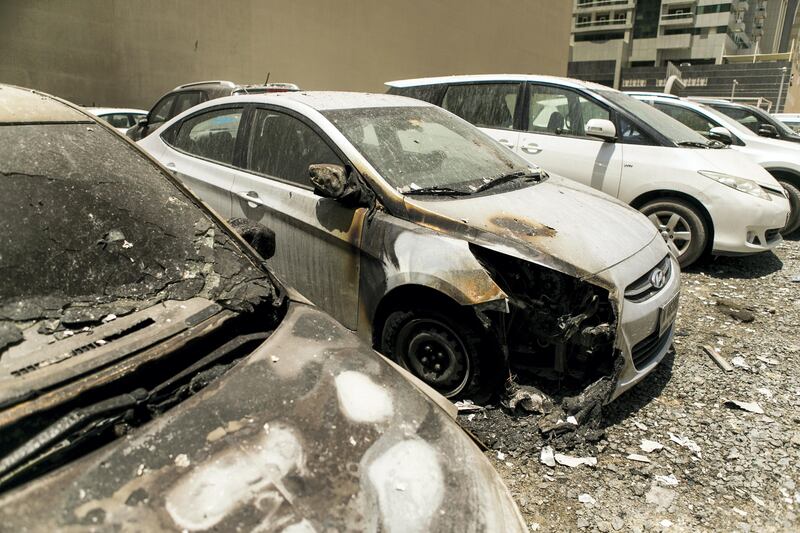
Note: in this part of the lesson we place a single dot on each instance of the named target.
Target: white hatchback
(701, 199)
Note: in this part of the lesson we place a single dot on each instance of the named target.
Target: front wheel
(793, 194)
(679, 225)
(441, 349)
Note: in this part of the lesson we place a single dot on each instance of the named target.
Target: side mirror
(602, 129)
(720, 134)
(334, 181)
(141, 122)
(767, 130)
(257, 235)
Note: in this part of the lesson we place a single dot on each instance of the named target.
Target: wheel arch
(787, 174)
(650, 196)
(408, 294)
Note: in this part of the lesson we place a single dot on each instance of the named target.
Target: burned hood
(313, 431)
(558, 221)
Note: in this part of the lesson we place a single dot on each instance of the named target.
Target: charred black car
(155, 376)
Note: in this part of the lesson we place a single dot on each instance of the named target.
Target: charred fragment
(559, 329)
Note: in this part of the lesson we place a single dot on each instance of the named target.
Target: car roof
(653, 94)
(483, 78)
(25, 106)
(329, 100)
(110, 110)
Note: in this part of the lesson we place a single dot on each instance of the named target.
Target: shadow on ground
(640, 395)
(743, 267)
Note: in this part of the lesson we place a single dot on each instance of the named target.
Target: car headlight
(735, 182)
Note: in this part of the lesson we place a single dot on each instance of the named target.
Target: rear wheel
(680, 226)
(794, 207)
(443, 349)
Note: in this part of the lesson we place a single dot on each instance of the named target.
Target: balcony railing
(677, 19)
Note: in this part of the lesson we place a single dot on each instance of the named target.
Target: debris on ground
(528, 398)
(739, 362)
(650, 445)
(752, 407)
(639, 458)
(717, 358)
(468, 406)
(572, 462)
(669, 480)
(547, 457)
(736, 310)
(660, 497)
(751, 462)
(587, 499)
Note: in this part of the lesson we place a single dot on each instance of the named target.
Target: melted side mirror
(335, 181)
(720, 134)
(767, 130)
(257, 235)
(602, 129)
(142, 121)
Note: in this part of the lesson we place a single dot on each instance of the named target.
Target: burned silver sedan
(451, 254)
(154, 376)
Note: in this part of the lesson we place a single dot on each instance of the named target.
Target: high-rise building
(611, 35)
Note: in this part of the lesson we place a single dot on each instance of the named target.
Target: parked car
(778, 157)
(155, 376)
(790, 119)
(452, 255)
(701, 199)
(753, 118)
(189, 95)
(120, 118)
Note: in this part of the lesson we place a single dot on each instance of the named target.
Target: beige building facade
(129, 52)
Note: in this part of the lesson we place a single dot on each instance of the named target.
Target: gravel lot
(740, 471)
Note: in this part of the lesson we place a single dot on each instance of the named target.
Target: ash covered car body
(454, 256)
(155, 376)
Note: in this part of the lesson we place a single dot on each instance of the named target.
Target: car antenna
(267, 80)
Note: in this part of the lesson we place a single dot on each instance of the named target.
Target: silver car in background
(452, 255)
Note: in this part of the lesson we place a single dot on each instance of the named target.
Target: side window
(117, 120)
(160, 112)
(561, 111)
(185, 101)
(630, 133)
(426, 93)
(687, 117)
(487, 105)
(210, 135)
(746, 118)
(283, 147)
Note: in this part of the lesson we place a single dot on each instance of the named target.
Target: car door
(317, 239)
(200, 150)
(554, 137)
(489, 106)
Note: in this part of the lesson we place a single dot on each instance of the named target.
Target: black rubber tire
(793, 192)
(697, 228)
(480, 377)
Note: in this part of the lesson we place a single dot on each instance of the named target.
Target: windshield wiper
(693, 143)
(436, 190)
(505, 178)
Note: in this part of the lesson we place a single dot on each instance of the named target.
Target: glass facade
(645, 24)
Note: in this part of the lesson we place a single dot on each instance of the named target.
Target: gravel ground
(740, 470)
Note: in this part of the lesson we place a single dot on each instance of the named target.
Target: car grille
(643, 288)
(645, 351)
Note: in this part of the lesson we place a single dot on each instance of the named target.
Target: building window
(716, 8)
(645, 23)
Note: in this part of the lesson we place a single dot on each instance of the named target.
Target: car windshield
(91, 228)
(418, 148)
(661, 122)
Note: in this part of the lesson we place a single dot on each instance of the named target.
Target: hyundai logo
(658, 279)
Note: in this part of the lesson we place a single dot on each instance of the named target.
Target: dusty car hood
(573, 224)
(312, 430)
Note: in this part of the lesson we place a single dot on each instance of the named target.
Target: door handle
(531, 148)
(506, 143)
(251, 197)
